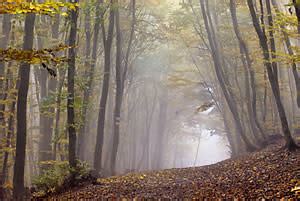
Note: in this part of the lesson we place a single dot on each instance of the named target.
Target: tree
(290, 143)
(26, 56)
(107, 42)
(24, 71)
(250, 84)
(45, 149)
(121, 74)
(290, 51)
(90, 72)
(215, 52)
(71, 87)
(6, 27)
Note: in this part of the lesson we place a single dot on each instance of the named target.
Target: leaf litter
(270, 173)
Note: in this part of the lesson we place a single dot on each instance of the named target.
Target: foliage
(296, 190)
(52, 178)
(33, 56)
(59, 177)
(50, 7)
(44, 56)
(293, 3)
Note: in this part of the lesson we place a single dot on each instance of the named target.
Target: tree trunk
(8, 138)
(61, 80)
(105, 86)
(6, 27)
(87, 64)
(121, 74)
(18, 179)
(290, 143)
(52, 88)
(272, 42)
(119, 93)
(62, 75)
(45, 137)
(291, 53)
(10, 124)
(219, 72)
(71, 90)
(89, 74)
(45, 149)
(245, 57)
(162, 121)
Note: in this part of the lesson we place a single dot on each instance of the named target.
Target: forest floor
(269, 173)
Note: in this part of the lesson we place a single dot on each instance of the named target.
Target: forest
(149, 99)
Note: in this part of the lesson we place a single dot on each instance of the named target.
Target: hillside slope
(270, 173)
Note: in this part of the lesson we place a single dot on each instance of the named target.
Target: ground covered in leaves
(270, 173)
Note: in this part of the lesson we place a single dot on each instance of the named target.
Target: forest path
(270, 173)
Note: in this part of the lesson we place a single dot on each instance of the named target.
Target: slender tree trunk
(10, 127)
(9, 133)
(45, 138)
(105, 86)
(131, 38)
(89, 74)
(119, 93)
(71, 87)
(45, 149)
(52, 88)
(149, 114)
(87, 64)
(6, 27)
(220, 76)
(121, 74)
(265, 97)
(232, 143)
(18, 179)
(272, 41)
(290, 143)
(61, 80)
(291, 53)
(250, 83)
(7, 137)
(162, 121)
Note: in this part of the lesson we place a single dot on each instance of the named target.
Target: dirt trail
(270, 173)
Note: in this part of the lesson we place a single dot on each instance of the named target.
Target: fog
(131, 86)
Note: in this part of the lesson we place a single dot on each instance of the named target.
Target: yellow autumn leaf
(23, 7)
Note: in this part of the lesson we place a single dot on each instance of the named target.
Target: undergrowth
(60, 177)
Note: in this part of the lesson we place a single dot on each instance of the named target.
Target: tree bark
(121, 73)
(250, 83)
(61, 80)
(89, 74)
(219, 72)
(62, 75)
(105, 86)
(119, 93)
(290, 143)
(6, 28)
(291, 53)
(71, 88)
(18, 178)
(272, 41)
(45, 136)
